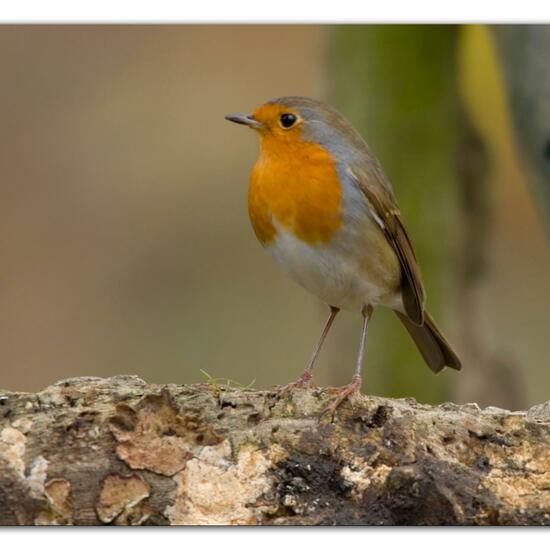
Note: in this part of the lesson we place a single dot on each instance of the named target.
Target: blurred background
(125, 243)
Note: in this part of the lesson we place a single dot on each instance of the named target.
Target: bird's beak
(247, 120)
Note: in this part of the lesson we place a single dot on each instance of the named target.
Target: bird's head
(288, 121)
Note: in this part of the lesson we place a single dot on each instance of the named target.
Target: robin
(321, 205)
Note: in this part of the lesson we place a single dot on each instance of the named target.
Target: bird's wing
(381, 202)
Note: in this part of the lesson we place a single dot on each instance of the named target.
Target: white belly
(329, 271)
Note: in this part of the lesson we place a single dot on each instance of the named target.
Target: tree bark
(90, 451)
(524, 51)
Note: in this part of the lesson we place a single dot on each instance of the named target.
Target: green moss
(396, 84)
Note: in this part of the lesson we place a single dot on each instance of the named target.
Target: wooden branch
(92, 451)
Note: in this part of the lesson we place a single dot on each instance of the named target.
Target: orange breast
(296, 183)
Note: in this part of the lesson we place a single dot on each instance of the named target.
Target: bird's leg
(306, 380)
(355, 385)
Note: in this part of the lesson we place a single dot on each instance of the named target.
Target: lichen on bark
(119, 451)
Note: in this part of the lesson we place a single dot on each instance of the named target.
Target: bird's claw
(305, 381)
(345, 392)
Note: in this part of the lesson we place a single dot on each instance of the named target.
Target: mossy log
(90, 451)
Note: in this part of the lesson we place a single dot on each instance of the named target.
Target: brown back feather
(384, 206)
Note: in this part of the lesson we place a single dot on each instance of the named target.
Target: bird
(322, 206)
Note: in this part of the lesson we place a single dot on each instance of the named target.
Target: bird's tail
(431, 343)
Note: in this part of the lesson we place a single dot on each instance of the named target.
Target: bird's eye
(288, 120)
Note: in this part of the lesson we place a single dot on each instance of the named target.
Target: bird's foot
(305, 381)
(345, 392)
